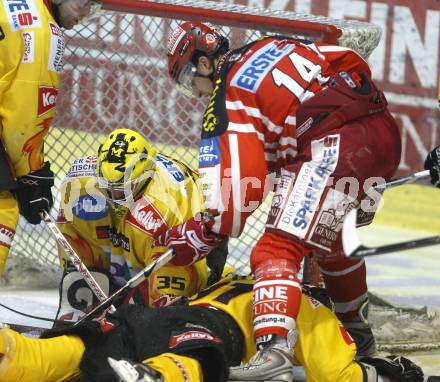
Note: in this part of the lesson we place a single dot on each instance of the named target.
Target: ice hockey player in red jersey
(309, 113)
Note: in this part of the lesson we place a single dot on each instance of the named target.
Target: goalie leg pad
(76, 297)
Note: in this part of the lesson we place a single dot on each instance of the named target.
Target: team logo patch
(89, 207)
(209, 152)
(57, 46)
(301, 199)
(47, 97)
(170, 167)
(83, 167)
(6, 236)
(22, 14)
(174, 39)
(192, 336)
(29, 47)
(331, 217)
(252, 73)
(145, 217)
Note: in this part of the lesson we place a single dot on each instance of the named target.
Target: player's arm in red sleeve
(234, 182)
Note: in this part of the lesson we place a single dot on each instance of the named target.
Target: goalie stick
(354, 248)
(76, 260)
(132, 283)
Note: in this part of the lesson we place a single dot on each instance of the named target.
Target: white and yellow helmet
(126, 162)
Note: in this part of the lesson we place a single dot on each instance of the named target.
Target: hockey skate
(272, 363)
(360, 331)
(131, 372)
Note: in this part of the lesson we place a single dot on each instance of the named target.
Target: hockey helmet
(187, 39)
(126, 161)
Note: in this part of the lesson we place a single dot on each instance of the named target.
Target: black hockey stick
(74, 258)
(413, 178)
(132, 283)
(355, 249)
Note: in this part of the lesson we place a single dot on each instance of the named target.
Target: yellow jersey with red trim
(324, 348)
(31, 51)
(123, 243)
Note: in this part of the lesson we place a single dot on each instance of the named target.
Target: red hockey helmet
(184, 41)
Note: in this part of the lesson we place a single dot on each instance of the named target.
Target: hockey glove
(216, 261)
(191, 241)
(34, 193)
(432, 163)
(397, 368)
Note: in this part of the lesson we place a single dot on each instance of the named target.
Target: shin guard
(277, 297)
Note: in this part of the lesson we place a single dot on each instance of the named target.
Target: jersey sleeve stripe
(255, 113)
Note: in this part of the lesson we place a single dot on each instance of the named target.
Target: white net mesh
(115, 76)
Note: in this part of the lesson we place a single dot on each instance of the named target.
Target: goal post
(115, 75)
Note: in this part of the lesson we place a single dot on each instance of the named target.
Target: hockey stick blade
(354, 248)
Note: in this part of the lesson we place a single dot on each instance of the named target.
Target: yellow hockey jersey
(123, 245)
(31, 59)
(324, 348)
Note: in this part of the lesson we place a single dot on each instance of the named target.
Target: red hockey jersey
(249, 126)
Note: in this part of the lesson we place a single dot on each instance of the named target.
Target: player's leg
(8, 207)
(24, 359)
(209, 336)
(8, 223)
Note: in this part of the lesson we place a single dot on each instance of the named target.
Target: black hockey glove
(34, 193)
(216, 261)
(432, 163)
(397, 368)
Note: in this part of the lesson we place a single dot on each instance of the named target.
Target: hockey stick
(132, 283)
(355, 249)
(413, 178)
(76, 260)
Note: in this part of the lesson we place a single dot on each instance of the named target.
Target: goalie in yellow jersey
(112, 207)
(195, 342)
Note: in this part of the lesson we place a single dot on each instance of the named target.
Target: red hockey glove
(191, 241)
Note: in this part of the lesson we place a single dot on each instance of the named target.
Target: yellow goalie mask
(126, 162)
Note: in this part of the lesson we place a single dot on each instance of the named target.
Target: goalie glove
(191, 241)
(397, 368)
(34, 193)
(432, 163)
(134, 372)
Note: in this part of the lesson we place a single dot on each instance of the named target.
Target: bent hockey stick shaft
(413, 178)
(74, 258)
(354, 248)
(132, 283)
